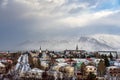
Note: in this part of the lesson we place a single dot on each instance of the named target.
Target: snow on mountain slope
(111, 40)
(91, 42)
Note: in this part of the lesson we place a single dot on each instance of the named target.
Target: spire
(76, 47)
(40, 49)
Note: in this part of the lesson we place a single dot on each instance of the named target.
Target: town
(60, 65)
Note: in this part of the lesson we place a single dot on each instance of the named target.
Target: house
(74, 53)
(34, 54)
(91, 69)
(2, 68)
(60, 60)
(114, 53)
(81, 60)
(101, 78)
(96, 60)
(33, 73)
(117, 62)
(113, 72)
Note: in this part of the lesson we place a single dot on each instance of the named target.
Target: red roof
(70, 60)
(89, 59)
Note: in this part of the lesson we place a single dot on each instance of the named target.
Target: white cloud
(85, 19)
(46, 19)
(112, 20)
(46, 14)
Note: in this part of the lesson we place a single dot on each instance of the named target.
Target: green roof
(78, 65)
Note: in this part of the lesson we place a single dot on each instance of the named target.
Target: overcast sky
(22, 20)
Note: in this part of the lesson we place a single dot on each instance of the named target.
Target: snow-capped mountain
(91, 42)
(111, 40)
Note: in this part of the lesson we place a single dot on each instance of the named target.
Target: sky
(22, 20)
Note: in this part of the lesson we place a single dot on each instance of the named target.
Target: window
(33, 74)
(90, 68)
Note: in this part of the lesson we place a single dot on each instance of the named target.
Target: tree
(38, 64)
(106, 61)
(91, 76)
(102, 56)
(83, 56)
(83, 68)
(116, 56)
(97, 55)
(30, 61)
(101, 68)
(111, 56)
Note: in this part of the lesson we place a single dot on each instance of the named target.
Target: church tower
(40, 50)
(76, 47)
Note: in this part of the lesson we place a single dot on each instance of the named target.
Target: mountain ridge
(90, 42)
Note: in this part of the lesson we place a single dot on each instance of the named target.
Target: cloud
(55, 13)
(46, 14)
(85, 19)
(40, 19)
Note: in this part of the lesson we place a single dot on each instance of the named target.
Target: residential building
(91, 69)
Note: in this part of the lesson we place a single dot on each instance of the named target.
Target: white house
(91, 69)
(113, 72)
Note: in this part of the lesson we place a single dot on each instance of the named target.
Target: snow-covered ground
(23, 65)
